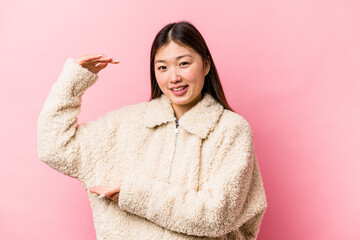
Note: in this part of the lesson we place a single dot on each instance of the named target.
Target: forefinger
(95, 57)
(99, 58)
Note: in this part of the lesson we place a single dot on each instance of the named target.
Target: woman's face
(180, 68)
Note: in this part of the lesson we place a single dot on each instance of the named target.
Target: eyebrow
(177, 58)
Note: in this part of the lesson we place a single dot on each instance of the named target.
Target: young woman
(179, 166)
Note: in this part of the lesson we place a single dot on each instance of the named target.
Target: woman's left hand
(111, 192)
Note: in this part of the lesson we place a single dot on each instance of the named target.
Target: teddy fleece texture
(198, 180)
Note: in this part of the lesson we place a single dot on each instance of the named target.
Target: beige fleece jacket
(199, 179)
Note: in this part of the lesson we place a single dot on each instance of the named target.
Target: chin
(179, 103)
(181, 100)
(178, 100)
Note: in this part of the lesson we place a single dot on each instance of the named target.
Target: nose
(175, 77)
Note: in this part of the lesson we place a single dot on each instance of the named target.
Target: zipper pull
(177, 124)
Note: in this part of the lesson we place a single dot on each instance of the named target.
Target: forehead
(173, 50)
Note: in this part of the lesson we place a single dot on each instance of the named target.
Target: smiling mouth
(179, 89)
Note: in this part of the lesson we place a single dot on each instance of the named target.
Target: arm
(221, 206)
(61, 142)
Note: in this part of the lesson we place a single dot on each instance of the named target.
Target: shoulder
(234, 124)
(133, 109)
(128, 113)
(233, 120)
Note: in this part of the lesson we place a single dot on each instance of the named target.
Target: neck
(180, 110)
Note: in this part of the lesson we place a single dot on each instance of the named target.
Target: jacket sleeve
(233, 197)
(61, 142)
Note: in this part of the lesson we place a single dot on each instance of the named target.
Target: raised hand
(95, 62)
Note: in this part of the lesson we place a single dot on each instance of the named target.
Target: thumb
(101, 66)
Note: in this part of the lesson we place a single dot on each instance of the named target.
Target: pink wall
(291, 68)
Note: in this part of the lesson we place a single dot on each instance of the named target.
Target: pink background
(291, 68)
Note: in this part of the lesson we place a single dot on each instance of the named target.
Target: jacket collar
(198, 120)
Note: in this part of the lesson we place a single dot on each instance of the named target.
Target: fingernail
(101, 196)
(116, 61)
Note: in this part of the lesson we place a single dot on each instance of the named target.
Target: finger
(101, 196)
(109, 193)
(114, 190)
(99, 189)
(87, 58)
(115, 197)
(107, 59)
(95, 57)
(101, 66)
(92, 58)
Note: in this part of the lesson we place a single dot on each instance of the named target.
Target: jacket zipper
(176, 134)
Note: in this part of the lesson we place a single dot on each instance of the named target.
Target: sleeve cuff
(76, 78)
(135, 194)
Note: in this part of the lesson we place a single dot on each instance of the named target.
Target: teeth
(178, 89)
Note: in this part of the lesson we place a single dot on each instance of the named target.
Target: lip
(178, 86)
(181, 92)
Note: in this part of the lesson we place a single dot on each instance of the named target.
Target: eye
(160, 68)
(185, 62)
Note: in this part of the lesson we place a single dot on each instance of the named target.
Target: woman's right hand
(95, 62)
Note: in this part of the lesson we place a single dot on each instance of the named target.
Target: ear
(207, 65)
